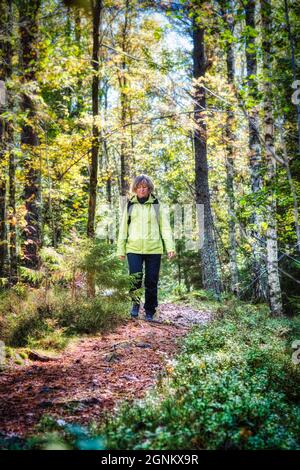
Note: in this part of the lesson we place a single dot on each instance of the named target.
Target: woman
(144, 233)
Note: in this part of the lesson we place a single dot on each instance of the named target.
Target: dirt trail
(95, 373)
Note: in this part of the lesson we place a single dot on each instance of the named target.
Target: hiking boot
(135, 311)
(149, 316)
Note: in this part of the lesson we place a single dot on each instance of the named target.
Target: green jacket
(142, 235)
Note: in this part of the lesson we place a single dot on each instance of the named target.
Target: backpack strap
(130, 207)
(156, 208)
(129, 210)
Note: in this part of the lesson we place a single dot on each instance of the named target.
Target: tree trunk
(13, 275)
(255, 160)
(275, 297)
(11, 206)
(210, 275)
(97, 12)
(5, 69)
(28, 21)
(3, 182)
(124, 104)
(79, 87)
(97, 18)
(227, 14)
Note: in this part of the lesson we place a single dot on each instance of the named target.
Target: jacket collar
(149, 201)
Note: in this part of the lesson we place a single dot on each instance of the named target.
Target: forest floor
(94, 373)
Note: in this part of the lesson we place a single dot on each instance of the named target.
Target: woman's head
(142, 185)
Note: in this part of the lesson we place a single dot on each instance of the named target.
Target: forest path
(94, 373)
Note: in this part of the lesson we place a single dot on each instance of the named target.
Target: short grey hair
(142, 179)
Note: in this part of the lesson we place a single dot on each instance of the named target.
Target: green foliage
(233, 386)
(101, 262)
(91, 315)
(61, 306)
(49, 336)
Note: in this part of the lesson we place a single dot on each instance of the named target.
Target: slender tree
(271, 235)
(11, 206)
(255, 155)
(97, 10)
(228, 19)
(210, 275)
(5, 67)
(124, 101)
(28, 29)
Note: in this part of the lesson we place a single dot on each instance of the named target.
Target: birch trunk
(255, 160)
(227, 15)
(275, 296)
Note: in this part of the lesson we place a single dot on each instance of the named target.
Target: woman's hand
(171, 254)
(122, 257)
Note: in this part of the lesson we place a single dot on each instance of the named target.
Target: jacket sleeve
(165, 227)
(123, 233)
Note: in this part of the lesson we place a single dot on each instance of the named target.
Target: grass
(28, 321)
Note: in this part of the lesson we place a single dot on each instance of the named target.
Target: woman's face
(142, 190)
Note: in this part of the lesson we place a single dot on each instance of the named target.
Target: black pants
(152, 266)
